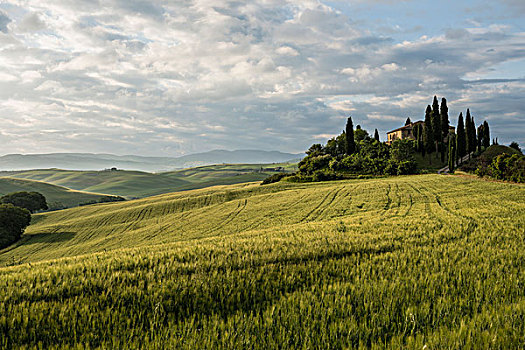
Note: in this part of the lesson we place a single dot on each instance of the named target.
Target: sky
(167, 78)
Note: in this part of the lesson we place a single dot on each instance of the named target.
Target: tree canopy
(32, 201)
(13, 221)
(350, 142)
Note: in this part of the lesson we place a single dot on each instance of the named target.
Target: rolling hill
(136, 184)
(91, 161)
(404, 262)
(57, 197)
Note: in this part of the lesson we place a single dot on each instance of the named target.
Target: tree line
(15, 214)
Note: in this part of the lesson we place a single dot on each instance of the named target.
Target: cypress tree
(428, 137)
(486, 135)
(473, 137)
(451, 154)
(469, 132)
(417, 135)
(480, 137)
(350, 142)
(436, 124)
(408, 121)
(445, 123)
(461, 139)
(376, 135)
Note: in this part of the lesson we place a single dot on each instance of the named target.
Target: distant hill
(137, 184)
(57, 197)
(92, 161)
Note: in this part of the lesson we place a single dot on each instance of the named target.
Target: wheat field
(404, 262)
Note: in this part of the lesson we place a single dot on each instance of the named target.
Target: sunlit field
(401, 262)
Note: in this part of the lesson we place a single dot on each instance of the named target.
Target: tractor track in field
(388, 200)
(323, 205)
(231, 216)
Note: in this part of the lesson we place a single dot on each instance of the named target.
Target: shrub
(32, 201)
(274, 178)
(13, 221)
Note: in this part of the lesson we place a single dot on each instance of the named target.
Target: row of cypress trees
(468, 139)
(434, 136)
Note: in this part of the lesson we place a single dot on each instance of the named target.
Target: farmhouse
(407, 132)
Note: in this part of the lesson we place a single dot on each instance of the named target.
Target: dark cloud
(4, 21)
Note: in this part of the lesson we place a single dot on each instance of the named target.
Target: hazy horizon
(166, 79)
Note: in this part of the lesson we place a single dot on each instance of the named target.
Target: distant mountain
(93, 161)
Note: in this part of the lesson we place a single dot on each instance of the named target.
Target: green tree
(445, 123)
(461, 139)
(376, 135)
(360, 135)
(470, 133)
(13, 221)
(480, 137)
(436, 124)
(418, 135)
(408, 121)
(428, 137)
(350, 142)
(32, 201)
(451, 154)
(515, 145)
(486, 135)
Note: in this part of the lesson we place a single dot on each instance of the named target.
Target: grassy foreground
(407, 262)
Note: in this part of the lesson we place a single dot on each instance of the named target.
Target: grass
(407, 262)
(137, 184)
(57, 197)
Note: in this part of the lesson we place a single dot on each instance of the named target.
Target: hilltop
(137, 184)
(57, 196)
(92, 161)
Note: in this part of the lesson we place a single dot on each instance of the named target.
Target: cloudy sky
(183, 76)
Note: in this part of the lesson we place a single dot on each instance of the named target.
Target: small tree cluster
(32, 201)
(505, 167)
(15, 214)
(13, 221)
(364, 155)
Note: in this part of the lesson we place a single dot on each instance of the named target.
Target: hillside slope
(57, 197)
(94, 161)
(138, 184)
(403, 262)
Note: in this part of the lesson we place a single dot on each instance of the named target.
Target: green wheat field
(416, 262)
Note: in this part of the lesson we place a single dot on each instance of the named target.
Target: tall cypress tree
(468, 133)
(445, 123)
(436, 124)
(428, 136)
(480, 137)
(408, 121)
(473, 137)
(486, 135)
(451, 154)
(461, 139)
(376, 135)
(350, 142)
(417, 135)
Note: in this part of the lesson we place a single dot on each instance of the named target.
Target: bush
(32, 201)
(274, 178)
(13, 221)
(504, 167)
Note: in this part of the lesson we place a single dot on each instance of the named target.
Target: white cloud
(261, 73)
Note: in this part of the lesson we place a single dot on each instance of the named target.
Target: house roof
(412, 124)
(406, 126)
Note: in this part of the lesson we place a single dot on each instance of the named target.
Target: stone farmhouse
(406, 132)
